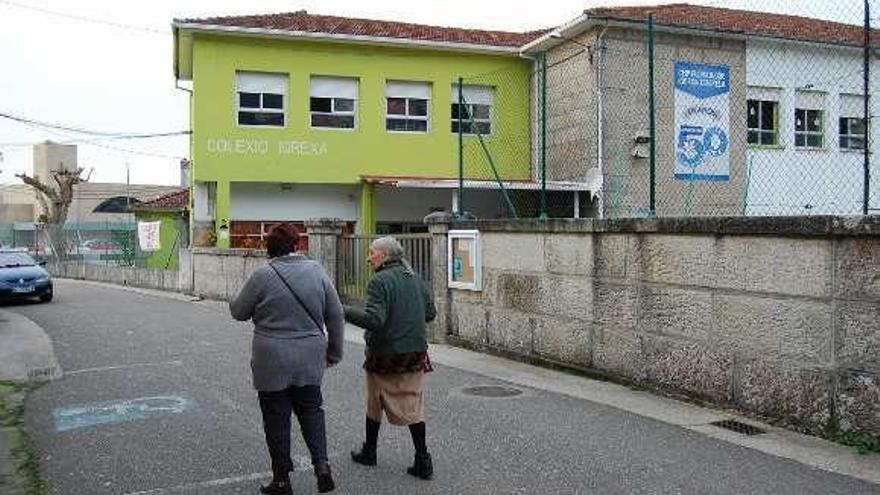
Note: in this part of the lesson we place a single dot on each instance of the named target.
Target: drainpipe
(192, 174)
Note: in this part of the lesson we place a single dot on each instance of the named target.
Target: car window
(15, 259)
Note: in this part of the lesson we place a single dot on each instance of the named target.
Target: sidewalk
(11, 483)
(26, 355)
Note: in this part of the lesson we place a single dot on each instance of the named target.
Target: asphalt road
(156, 399)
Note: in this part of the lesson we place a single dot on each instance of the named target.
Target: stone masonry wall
(776, 316)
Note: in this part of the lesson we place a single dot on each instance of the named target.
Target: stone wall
(220, 273)
(779, 316)
(136, 277)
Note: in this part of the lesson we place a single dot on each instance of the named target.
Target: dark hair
(282, 239)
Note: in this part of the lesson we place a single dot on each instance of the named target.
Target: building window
(763, 122)
(333, 102)
(476, 112)
(261, 98)
(808, 128)
(852, 133)
(407, 106)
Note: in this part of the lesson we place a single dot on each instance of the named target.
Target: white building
(791, 111)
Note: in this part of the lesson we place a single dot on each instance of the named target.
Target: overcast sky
(106, 65)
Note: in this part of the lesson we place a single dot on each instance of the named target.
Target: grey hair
(392, 249)
(390, 246)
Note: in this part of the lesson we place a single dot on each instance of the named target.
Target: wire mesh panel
(754, 125)
(704, 111)
(490, 118)
(97, 243)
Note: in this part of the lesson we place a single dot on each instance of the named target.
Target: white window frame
(261, 83)
(473, 96)
(806, 133)
(334, 88)
(760, 130)
(409, 91)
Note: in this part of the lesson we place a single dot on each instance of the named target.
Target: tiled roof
(302, 21)
(740, 22)
(173, 201)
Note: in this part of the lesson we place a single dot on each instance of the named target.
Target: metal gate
(353, 272)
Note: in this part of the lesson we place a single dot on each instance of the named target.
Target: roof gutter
(552, 38)
(345, 38)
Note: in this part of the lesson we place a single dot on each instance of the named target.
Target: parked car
(98, 246)
(23, 278)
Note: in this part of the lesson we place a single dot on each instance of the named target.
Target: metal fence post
(652, 119)
(460, 148)
(543, 135)
(867, 117)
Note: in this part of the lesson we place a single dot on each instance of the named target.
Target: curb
(26, 352)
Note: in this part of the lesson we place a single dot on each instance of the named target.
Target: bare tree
(55, 198)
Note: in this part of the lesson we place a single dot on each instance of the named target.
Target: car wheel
(46, 298)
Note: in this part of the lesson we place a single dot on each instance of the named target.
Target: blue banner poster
(702, 122)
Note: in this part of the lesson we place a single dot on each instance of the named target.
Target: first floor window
(407, 106)
(852, 133)
(808, 125)
(261, 98)
(763, 122)
(333, 102)
(475, 109)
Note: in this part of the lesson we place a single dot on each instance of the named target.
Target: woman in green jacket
(397, 308)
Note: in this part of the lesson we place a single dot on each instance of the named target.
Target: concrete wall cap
(325, 222)
(438, 217)
(813, 226)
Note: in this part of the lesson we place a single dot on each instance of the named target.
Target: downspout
(600, 120)
(175, 31)
(533, 132)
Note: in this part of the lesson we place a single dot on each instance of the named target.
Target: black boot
(278, 486)
(423, 467)
(367, 455)
(325, 477)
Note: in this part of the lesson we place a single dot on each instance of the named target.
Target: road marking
(300, 463)
(124, 367)
(205, 484)
(119, 411)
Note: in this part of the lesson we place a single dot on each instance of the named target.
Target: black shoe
(325, 477)
(367, 455)
(423, 467)
(277, 487)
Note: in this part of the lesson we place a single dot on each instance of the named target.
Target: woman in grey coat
(291, 300)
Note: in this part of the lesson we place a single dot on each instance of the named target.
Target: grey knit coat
(288, 349)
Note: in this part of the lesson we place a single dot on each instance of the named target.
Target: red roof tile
(304, 22)
(176, 200)
(740, 22)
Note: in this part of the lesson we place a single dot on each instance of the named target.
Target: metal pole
(460, 148)
(128, 210)
(867, 116)
(544, 135)
(652, 123)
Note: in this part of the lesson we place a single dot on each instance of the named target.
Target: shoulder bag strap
(296, 296)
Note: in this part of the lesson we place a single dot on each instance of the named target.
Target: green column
(222, 210)
(368, 208)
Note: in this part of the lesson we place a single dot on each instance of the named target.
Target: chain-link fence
(98, 243)
(687, 110)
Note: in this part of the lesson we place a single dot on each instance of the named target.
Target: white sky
(102, 77)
